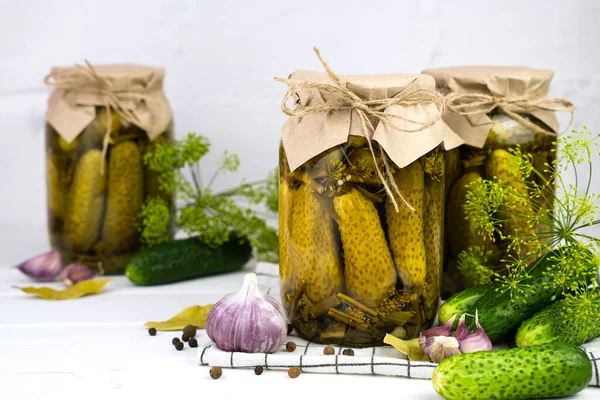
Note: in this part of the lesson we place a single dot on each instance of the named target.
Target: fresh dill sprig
(473, 264)
(201, 212)
(552, 212)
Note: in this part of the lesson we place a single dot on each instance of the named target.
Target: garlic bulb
(439, 343)
(247, 321)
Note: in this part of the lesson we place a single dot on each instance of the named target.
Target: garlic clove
(442, 330)
(476, 341)
(74, 273)
(438, 348)
(462, 330)
(439, 343)
(247, 321)
(44, 267)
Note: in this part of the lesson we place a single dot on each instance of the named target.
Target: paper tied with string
(135, 92)
(472, 92)
(407, 127)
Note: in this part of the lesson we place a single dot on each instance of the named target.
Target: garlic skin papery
(440, 347)
(247, 321)
(439, 343)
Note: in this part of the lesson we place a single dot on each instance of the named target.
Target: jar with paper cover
(361, 205)
(500, 113)
(100, 123)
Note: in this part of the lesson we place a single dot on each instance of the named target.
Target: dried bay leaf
(194, 315)
(410, 348)
(76, 291)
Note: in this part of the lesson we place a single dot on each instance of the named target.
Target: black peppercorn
(290, 346)
(294, 372)
(258, 370)
(190, 331)
(185, 337)
(348, 352)
(152, 331)
(175, 341)
(328, 351)
(179, 346)
(193, 342)
(216, 372)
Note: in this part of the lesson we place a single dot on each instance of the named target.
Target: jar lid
(411, 129)
(497, 82)
(135, 91)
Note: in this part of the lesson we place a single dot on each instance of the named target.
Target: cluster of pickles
(94, 201)
(353, 268)
(467, 164)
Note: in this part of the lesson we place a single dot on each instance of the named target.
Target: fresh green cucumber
(461, 302)
(184, 259)
(551, 325)
(545, 371)
(500, 315)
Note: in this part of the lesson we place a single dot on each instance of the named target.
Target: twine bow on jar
(513, 106)
(370, 112)
(114, 94)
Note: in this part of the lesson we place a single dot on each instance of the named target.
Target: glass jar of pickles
(493, 109)
(100, 123)
(361, 221)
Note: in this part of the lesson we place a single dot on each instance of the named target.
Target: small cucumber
(500, 316)
(545, 371)
(461, 302)
(184, 259)
(550, 326)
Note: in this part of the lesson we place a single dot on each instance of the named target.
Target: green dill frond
(483, 199)
(522, 161)
(515, 282)
(556, 213)
(229, 162)
(583, 307)
(155, 218)
(584, 304)
(192, 148)
(473, 264)
(578, 148)
(212, 217)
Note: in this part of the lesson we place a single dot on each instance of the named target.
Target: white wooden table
(97, 347)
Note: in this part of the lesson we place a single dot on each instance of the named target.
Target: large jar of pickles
(361, 249)
(100, 122)
(488, 136)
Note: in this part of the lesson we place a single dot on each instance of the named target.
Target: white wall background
(221, 57)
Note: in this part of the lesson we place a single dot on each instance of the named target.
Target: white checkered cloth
(309, 357)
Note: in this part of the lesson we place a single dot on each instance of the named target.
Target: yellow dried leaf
(411, 348)
(76, 291)
(194, 315)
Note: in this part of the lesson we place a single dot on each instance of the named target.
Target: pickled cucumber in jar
(96, 185)
(493, 161)
(352, 267)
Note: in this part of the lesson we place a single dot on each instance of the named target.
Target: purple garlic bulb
(439, 343)
(247, 321)
(44, 267)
